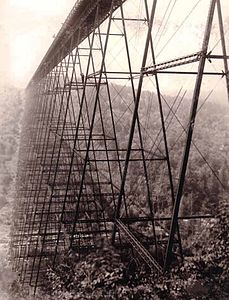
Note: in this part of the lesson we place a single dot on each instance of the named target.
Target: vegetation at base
(107, 274)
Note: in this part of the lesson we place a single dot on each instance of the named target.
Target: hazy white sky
(27, 28)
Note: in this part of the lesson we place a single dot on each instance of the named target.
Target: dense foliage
(107, 274)
(10, 117)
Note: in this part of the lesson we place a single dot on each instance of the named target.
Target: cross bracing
(90, 155)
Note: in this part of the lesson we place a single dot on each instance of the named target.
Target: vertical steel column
(44, 149)
(92, 122)
(69, 171)
(106, 150)
(57, 162)
(73, 156)
(134, 119)
(113, 124)
(224, 48)
(192, 118)
(164, 133)
(149, 200)
(35, 139)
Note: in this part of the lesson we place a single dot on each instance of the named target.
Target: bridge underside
(95, 143)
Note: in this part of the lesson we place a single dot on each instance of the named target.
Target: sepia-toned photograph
(114, 149)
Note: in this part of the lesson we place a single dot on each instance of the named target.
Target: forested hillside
(108, 274)
(208, 172)
(10, 118)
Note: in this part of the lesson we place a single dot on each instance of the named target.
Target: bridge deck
(81, 16)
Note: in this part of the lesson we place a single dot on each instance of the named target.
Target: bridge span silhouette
(96, 155)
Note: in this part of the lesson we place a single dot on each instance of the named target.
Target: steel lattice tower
(80, 176)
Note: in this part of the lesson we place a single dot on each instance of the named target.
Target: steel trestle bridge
(88, 160)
